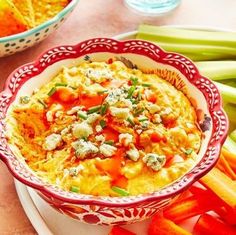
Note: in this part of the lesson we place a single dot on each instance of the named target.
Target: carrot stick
(191, 206)
(221, 185)
(162, 226)
(116, 230)
(222, 163)
(230, 157)
(201, 192)
(227, 214)
(220, 167)
(208, 225)
(183, 195)
(197, 190)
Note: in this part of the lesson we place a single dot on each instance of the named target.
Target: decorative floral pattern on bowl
(176, 69)
(21, 41)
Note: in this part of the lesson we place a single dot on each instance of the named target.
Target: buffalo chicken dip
(105, 129)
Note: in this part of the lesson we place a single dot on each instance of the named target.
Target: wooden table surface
(96, 18)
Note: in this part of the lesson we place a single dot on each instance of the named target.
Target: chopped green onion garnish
(52, 91)
(110, 142)
(42, 103)
(102, 123)
(130, 121)
(24, 99)
(143, 119)
(94, 109)
(188, 151)
(130, 92)
(104, 108)
(72, 87)
(102, 92)
(139, 95)
(60, 84)
(82, 115)
(77, 151)
(134, 101)
(146, 84)
(139, 111)
(134, 81)
(120, 191)
(74, 189)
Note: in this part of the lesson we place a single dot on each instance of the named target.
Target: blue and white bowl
(18, 42)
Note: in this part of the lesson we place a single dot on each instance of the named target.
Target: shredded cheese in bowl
(106, 129)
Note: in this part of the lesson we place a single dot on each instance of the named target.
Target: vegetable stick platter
(47, 221)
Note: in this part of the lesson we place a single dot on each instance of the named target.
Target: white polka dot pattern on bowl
(19, 42)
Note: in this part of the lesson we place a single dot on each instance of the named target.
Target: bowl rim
(69, 197)
(42, 26)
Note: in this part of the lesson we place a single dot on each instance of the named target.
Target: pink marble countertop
(96, 18)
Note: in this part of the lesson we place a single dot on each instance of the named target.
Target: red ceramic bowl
(178, 70)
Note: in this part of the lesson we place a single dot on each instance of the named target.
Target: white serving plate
(48, 221)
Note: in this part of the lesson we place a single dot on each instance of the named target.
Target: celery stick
(217, 70)
(230, 145)
(193, 48)
(200, 56)
(188, 36)
(233, 135)
(230, 109)
(229, 82)
(195, 44)
(228, 93)
(195, 52)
